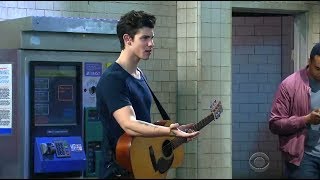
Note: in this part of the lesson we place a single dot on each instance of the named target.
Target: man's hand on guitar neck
(184, 131)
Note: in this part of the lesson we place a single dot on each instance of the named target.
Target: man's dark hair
(315, 51)
(131, 22)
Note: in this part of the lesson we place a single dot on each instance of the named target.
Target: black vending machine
(56, 134)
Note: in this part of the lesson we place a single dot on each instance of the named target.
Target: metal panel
(74, 25)
(63, 24)
(11, 30)
(69, 41)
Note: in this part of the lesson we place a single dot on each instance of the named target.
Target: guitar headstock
(216, 108)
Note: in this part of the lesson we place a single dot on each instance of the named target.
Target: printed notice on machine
(5, 99)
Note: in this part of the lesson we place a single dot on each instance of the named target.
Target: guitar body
(152, 157)
(145, 157)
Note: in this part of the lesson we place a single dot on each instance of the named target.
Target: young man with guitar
(123, 97)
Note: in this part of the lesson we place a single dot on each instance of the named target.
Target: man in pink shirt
(295, 118)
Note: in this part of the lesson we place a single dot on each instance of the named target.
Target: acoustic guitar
(152, 157)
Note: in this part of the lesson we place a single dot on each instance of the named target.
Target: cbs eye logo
(259, 162)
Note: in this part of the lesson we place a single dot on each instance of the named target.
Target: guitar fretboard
(177, 141)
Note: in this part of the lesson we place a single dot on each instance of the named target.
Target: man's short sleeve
(115, 94)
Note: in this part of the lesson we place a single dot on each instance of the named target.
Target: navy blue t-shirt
(116, 89)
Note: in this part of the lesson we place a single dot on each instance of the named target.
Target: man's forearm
(286, 126)
(141, 128)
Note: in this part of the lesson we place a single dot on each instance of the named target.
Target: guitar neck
(177, 141)
(201, 124)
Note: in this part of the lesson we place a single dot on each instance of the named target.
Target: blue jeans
(308, 169)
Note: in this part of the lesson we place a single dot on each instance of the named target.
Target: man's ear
(127, 39)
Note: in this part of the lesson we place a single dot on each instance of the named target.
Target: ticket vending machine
(52, 67)
(56, 127)
(93, 140)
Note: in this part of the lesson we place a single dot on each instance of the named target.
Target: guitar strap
(163, 113)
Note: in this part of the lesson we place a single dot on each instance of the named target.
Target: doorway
(262, 56)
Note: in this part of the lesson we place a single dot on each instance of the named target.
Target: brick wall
(260, 46)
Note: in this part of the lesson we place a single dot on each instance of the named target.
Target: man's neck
(128, 61)
(311, 78)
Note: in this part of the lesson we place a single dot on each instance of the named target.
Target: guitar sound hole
(167, 148)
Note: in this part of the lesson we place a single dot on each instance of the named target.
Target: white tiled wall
(203, 52)
(187, 55)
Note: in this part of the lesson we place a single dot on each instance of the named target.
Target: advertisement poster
(5, 99)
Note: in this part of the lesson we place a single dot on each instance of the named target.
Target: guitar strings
(216, 111)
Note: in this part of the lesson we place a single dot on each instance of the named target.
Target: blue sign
(5, 131)
(92, 69)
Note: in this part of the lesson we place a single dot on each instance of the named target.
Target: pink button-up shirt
(291, 103)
